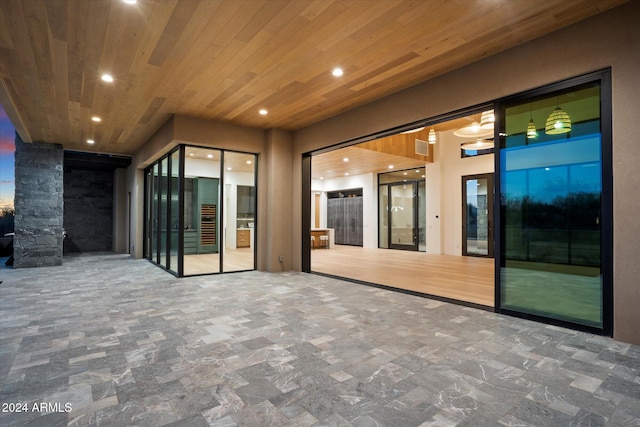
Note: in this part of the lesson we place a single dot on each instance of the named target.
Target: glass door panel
(174, 209)
(551, 197)
(383, 216)
(162, 212)
(402, 214)
(201, 238)
(477, 235)
(239, 211)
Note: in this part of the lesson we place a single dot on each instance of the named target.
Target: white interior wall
(369, 202)
(433, 196)
(452, 169)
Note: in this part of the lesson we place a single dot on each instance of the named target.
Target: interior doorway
(401, 220)
(477, 215)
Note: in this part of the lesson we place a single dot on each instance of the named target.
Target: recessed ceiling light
(107, 78)
(249, 162)
(346, 159)
(337, 72)
(229, 168)
(390, 166)
(210, 156)
(404, 173)
(322, 177)
(90, 141)
(130, 1)
(417, 170)
(346, 174)
(191, 154)
(263, 112)
(96, 119)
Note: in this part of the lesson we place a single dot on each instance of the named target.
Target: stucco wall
(610, 39)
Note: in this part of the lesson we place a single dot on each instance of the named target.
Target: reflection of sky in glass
(554, 169)
(7, 148)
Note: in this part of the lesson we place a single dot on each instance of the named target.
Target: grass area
(555, 294)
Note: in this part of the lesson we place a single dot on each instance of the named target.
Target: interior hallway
(469, 279)
(125, 343)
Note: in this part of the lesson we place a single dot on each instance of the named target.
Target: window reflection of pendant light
(487, 119)
(558, 122)
(432, 136)
(532, 131)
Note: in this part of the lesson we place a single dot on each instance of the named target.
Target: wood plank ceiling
(227, 59)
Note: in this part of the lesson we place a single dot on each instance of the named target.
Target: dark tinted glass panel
(551, 191)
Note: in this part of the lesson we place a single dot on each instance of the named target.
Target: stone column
(38, 204)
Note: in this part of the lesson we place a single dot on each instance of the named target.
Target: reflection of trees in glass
(564, 231)
(6, 221)
(472, 220)
(575, 210)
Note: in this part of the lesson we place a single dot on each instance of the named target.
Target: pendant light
(532, 131)
(480, 144)
(487, 119)
(558, 122)
(432, 136)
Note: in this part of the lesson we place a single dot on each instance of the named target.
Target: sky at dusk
(7, 149)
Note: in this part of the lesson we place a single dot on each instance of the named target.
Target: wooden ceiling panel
(226, 59)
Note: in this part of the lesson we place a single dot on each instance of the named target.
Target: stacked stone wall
(38, 204)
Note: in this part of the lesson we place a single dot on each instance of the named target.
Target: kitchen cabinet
(243, 238)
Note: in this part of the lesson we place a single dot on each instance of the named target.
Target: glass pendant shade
(487, 119)
(558, 122)
(432, 136)
(532, 132)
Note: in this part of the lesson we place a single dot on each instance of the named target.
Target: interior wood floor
(467, 279)
(234, 260)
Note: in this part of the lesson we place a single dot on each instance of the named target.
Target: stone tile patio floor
(105, 340)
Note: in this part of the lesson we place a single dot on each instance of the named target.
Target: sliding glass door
(554, 202)
(201, 211)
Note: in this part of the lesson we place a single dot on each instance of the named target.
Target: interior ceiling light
(337, 72)
(413, 130)
(390, 166)
(263, 112)
(480, 144)
(90, 141)
(473, 131)
(96, 119)
(130, 1)
(249, 162)
(558, 122)
(107, 78)
(210, 156)
(432, 136)
(346, 159)
(487, 119)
